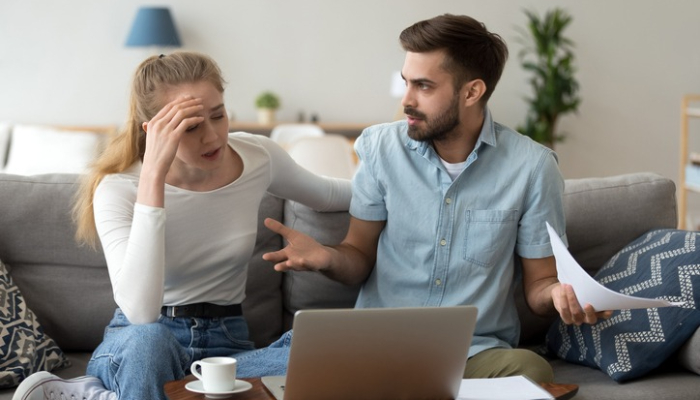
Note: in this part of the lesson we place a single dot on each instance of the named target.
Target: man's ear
(473, 91)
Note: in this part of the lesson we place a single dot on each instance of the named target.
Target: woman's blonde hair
(150, 79)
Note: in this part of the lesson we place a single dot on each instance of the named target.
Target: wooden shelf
(349, 129)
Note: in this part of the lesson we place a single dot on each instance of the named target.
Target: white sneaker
(45, 386)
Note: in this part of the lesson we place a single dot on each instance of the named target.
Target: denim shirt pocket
(489, 234)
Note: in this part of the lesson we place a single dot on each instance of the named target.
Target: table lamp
(153, 26)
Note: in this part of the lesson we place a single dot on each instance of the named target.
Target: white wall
(65, 63)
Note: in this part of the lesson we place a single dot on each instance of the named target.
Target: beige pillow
(689, 354)
(5, 129)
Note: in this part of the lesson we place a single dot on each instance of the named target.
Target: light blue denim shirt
(455, 242)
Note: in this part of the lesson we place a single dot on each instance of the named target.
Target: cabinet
(351, 130)
(689, 171)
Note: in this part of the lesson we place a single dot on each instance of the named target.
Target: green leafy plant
(267, 100)
(548, 54)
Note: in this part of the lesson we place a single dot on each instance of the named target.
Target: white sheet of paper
(509, 388)
(588, 290)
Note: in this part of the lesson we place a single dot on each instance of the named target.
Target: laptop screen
(408, 353)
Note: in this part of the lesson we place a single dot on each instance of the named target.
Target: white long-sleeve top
(201, 253)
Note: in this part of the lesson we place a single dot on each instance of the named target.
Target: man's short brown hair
(472, 51)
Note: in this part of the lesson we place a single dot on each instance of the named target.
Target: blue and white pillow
(24, 347)
(662, 264)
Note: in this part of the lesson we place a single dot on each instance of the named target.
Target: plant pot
(266, 116)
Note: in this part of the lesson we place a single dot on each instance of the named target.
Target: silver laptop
(387, 353)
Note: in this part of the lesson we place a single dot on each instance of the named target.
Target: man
(446, 201)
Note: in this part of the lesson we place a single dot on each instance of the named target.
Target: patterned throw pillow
(24, 348)
(662, 264)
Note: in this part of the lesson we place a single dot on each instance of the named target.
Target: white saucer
(198, 387)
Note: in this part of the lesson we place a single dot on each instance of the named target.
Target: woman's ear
(475, 90)
(144, 126)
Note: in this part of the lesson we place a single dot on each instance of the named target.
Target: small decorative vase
(266, 116)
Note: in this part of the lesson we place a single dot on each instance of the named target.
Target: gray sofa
(68, 286)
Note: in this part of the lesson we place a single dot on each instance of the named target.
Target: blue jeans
(135, 361)
(271, 360)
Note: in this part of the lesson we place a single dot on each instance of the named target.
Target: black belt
(202, 310)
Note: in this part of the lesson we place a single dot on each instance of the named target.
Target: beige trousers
(493, 363)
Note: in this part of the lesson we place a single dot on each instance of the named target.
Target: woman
(176, 159)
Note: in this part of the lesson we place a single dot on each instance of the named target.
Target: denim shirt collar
(486, 136)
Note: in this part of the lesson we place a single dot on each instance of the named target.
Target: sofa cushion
(626, 206)
(309, 290)
(602, 216)
(78, 149)
(660, 264)
(667, 383)
(56, 276)
(262, 306)
(24, 347)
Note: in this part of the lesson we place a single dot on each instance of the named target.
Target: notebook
(399, 353)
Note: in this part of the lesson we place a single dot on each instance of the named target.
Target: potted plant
(549, 56)
(267, 103)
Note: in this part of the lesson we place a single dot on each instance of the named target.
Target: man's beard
(437, 128)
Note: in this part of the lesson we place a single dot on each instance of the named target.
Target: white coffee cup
(218, 373)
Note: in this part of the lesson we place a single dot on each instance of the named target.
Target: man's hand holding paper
(571, 311)
(577, 287)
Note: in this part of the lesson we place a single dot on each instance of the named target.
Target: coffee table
(175, 390)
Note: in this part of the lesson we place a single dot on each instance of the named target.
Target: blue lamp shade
(153, 26)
